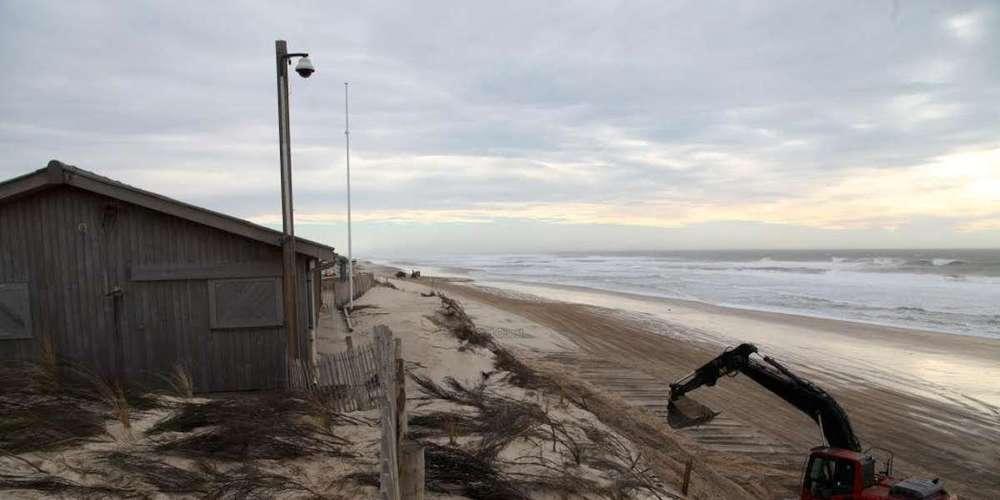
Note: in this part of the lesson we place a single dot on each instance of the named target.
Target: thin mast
(350, 255)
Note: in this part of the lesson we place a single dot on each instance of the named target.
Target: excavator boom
(816, 403)
(838, 470)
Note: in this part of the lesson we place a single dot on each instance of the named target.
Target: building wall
(76, 248)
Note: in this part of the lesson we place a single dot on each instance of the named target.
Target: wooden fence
(352, 380)
(372, 376)
(336, 291)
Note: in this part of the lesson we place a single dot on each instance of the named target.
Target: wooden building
(131, 283)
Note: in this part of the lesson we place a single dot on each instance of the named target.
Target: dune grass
(224, 445)
(52, 404)
(205, 480)
(274, 426)
(180, 382)
(453, 317)
(494, 421)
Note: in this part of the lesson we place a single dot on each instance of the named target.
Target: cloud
(960, 185)
(985, 224)
(968, 26)
(638, 114)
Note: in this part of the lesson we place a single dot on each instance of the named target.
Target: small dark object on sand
(415, 274)
(400, 274)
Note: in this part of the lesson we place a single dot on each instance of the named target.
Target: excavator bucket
(686, 412)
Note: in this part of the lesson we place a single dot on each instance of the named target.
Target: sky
(532, 126)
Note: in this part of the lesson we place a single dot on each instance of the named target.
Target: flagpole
(350, 255)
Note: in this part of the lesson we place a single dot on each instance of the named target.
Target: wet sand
(930, 398)
(940, 365)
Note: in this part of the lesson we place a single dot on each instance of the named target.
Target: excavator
(839, 470)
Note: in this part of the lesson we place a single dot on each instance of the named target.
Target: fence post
(411, 471)
(389, 449)
(401, 418)
(687, 476)
(411, 453)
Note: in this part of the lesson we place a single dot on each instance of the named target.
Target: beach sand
(929, 398)
(431, 351)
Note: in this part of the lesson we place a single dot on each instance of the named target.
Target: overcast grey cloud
(605, 124)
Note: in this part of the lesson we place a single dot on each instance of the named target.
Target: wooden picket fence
(352, 380)
(372, 376)
(336, 290)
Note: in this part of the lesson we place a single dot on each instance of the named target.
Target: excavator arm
(816, 403)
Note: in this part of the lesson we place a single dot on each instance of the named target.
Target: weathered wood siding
(76, 248)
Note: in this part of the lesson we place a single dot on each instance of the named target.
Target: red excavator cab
(836, 474)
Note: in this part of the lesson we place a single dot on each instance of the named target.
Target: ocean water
(952, 291)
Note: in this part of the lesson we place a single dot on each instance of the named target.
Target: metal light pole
(350, 255)
(289, 278)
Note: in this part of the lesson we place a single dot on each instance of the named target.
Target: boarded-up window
(15, 312)
(245, 303)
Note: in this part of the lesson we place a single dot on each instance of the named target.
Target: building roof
(58, 173)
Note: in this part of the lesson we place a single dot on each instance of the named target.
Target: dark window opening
(828, 477)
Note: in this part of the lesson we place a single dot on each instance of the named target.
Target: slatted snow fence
(366, 378)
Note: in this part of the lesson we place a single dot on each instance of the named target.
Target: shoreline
(954, 368)
(947, 367)
(828, 322)
(464, 274)
(831, 324)
(943, 366)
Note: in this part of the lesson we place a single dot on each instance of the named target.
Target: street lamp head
(305, 67)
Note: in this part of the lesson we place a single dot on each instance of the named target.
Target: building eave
(58, 173)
